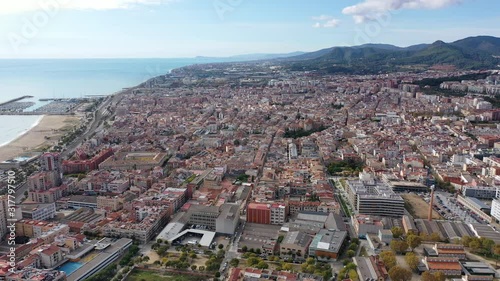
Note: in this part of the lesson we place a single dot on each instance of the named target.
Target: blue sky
(188, 28)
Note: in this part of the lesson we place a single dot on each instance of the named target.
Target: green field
(141, 275)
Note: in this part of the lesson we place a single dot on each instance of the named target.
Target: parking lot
(447, 206)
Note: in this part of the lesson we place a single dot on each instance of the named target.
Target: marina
(15, 100)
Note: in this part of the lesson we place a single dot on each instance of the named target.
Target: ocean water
(73, 78)
(14, 126)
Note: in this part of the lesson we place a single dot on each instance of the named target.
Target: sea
(73, 78)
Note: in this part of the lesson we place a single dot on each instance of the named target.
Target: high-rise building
(4, 206)
(51, 162)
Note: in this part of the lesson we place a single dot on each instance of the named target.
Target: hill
(482, 52)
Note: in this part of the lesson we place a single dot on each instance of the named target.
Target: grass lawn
(141, 275)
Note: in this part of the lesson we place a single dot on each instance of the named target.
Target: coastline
(37, 122)
(45, 132)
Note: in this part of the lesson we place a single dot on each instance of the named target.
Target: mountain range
(481, 52)
(252, 57)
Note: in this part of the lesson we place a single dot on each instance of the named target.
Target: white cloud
(332, 23)
(19, 6)
(322, 17)
(373, 9)
(325, 21)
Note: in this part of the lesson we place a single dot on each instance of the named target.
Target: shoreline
(37, 122)
(45, 132)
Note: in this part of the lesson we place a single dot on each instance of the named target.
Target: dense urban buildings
(258, 163)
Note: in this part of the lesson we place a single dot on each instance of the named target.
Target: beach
(46, 133)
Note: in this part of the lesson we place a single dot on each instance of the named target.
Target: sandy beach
(45, 134)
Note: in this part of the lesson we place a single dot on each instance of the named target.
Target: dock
(16, 99)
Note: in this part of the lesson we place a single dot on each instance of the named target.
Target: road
(232, 252)
(100, 115)
(23, 187)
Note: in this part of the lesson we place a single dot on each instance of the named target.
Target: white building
(41, 212)
(278, 214)
(228, 219)
(495, 209)
(3, 215)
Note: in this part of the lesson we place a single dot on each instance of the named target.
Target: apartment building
(266, 213)
(4, 216)
(377, 199)
(481, 192)
(151, 220)
(109, 203)
(38, 211)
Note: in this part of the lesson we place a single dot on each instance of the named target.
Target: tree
(234, 262)
(252, 261)
(262, 265)
(397, 232)
(439, 276)
(389, 259)
(351, 253)
(466, 240)
(351, 266)
(435, 237)
(427, 276)
(193, 256)
(398, 273)
(353, 246)
(244, 249)
(221, 246)
(412, 260)
(288, 267)
(487, 245)
(399, 246)
(353, 275)
(475, 245)
(193, 267)
(496, 252)
(413, 241)
(310, 268)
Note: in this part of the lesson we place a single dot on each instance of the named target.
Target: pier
(35, 113)
(16, 99)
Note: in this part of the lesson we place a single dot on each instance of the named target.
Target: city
(252, 171)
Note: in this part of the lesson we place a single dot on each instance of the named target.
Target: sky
(217, 28)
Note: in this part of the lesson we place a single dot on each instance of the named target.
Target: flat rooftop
(99, 259)
(256, 235)
(206, 238)
(365, 270)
